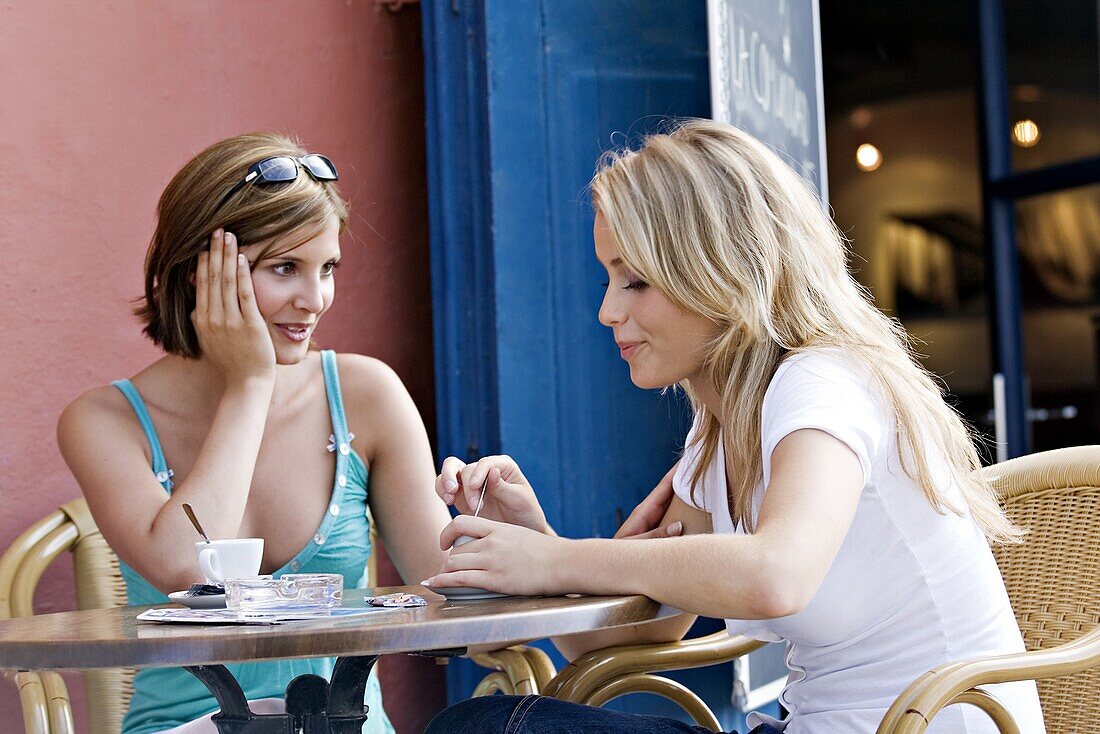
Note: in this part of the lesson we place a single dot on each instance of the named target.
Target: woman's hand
(230, 329)
(501, 557)
(645, 520)
(508, 495)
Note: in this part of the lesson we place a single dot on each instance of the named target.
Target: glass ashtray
(291, 593)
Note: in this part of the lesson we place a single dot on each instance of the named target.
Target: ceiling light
(868, 157)
(1025, 134)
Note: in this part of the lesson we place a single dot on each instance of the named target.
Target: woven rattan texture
(99, 584)
(1053, 581)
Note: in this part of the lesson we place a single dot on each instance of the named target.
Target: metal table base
(313, 704)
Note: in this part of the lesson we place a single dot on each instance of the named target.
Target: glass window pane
(1054, 80)
(1059, 242)
(914, 223)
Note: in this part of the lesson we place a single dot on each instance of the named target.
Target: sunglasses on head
(283, 168)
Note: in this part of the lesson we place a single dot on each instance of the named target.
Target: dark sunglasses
(283, 168)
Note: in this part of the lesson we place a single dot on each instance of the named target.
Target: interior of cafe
(904, 140)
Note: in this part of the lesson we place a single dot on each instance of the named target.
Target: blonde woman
(826, 492)
(242, 418)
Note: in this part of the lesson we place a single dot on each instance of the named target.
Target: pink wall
(101, 103)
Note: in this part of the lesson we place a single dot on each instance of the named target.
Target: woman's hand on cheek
(501, 557)
(232, 334)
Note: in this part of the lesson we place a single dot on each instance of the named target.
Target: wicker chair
(1053, 580)
(45, 700)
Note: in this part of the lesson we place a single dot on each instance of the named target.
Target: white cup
(230, 559)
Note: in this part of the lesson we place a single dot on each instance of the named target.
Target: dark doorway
(904, 78)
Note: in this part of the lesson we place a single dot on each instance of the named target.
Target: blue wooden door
(522, 95)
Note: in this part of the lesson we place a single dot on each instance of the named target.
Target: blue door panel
(620, 439)
(522, 243)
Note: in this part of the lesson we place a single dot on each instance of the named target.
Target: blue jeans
(541, 715)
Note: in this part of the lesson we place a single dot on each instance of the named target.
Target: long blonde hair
(715, 220)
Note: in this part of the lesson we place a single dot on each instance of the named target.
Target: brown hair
(282, 215)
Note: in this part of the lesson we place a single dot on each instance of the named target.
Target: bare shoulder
(380, 410)
(99, 422)
(97, 409)
(367, 379)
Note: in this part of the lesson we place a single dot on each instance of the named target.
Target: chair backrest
(99, 584)
(1053, 577)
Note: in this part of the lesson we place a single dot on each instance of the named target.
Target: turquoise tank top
(167, 697)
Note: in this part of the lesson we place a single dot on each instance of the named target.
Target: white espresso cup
(230, 559)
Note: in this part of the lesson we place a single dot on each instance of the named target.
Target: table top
(113, 638)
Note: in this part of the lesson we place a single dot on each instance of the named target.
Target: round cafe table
(113, 638)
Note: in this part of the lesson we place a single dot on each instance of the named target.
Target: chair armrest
(32, 696)
(594, 670)
(951, 682)
(11, 564)
(521, 670)
(541, 665)
(45, 702)
(602, 675)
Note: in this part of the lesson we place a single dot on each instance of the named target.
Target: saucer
(209, 601)
(465, 593)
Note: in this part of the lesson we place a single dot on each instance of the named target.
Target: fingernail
(675, 528)
(242, 260)
(450, 485)
(427, 582)
(218, 232)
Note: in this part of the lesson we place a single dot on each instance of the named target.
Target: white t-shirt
(909, 589)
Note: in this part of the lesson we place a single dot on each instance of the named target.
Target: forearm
(218, 484)
(726, 576)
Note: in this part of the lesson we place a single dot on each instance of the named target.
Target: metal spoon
(195, 521)
(462, 539)
(481, 497)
